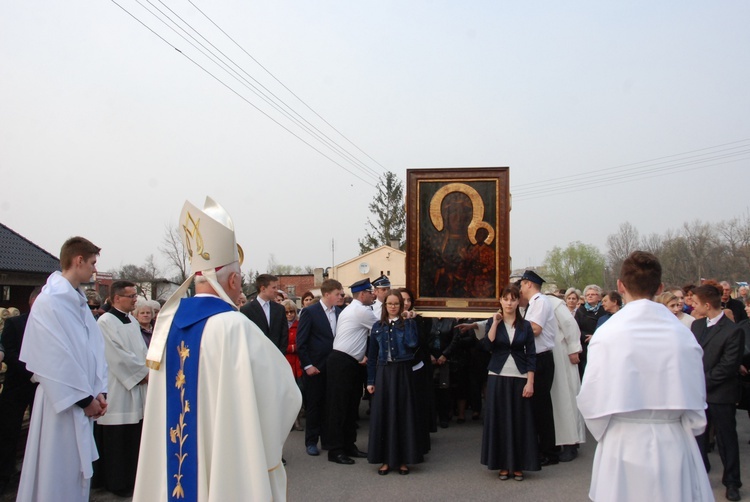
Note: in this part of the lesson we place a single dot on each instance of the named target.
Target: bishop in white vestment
(222, 398)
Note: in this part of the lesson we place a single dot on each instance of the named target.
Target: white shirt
(331, 315)
(354, 326)
(540, 312)
(377, 309)
(712, 322)
(266, 308)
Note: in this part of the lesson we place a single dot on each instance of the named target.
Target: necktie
(332, 320)
(267, 312)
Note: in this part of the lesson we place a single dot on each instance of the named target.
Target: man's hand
(371, 389)
(96, 408)
(363, 362)
(574, 358)
(312, 371)
(441, 360)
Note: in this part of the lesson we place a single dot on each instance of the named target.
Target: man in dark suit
(18, 393)
(722, 342)
(315, 331)
(268, 315)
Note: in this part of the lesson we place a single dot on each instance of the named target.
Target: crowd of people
(637, 365)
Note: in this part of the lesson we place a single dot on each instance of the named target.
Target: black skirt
(425, 401)
(509, 439)
(394, 438)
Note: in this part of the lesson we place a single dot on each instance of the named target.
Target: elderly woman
(587, 316)
(144, 314)
(291, 351)
(572, 296)
(611, 303)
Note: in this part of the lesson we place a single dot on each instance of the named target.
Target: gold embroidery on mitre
(240, 254)
(193, 233)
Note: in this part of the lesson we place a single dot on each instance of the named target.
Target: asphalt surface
(451, 471)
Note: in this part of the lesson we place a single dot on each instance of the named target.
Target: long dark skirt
(425, 401)
(394, 439)
(509, 439)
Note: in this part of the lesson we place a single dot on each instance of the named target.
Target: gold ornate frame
(458, 236)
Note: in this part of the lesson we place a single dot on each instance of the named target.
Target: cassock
(569, 426)
(64, 349)
(119, 431)
(643, 397)
(224, 400)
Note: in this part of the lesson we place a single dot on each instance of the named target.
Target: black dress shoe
(569, 453)
(341, 459)
(733, 493)
(545, 461)
(356, 453)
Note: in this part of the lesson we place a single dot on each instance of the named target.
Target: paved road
(450, 472)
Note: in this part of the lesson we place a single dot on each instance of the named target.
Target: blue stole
(182, 358)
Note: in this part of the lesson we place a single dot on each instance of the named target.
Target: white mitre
(208, 237)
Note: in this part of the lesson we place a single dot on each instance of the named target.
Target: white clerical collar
(711, 322)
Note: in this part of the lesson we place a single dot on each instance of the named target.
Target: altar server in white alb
(222, 398)
(643, 397)
(64, 349)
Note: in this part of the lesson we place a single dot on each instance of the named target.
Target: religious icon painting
(458, 236)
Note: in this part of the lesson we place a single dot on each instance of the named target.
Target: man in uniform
(344, 383)
(382, 285)
(63, 348)
(544, 324)
(221, 398)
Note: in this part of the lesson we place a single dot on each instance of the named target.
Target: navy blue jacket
(403, 339)
(314, 336)
(522, 349)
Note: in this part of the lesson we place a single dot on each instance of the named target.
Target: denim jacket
(402, 338)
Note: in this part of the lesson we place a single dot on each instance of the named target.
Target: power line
(573, 187)
(284, 86)
(308, 126)
(240, 95)
(609, 169)
(620, 176)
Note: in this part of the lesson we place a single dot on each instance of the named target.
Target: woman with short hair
(144, 314)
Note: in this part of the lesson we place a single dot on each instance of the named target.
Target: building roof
(379, 249)
(18, 254)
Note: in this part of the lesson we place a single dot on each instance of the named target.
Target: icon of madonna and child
(457, 239)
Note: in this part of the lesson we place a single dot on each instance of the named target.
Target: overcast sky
(105, 129)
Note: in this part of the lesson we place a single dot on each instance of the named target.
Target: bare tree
(621, 244)
(175, 253)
